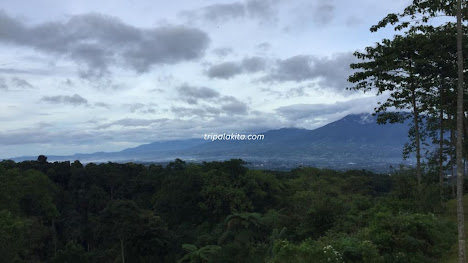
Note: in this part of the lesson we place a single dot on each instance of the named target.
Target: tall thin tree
(459, 149)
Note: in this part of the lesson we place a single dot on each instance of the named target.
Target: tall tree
(391, 67)
(428, 9)
(459, 149)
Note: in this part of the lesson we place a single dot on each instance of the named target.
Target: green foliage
(353, 249)
(72, 253)
(307, 251)
(13, 237)
(28, 193)
(136, 231)
(114, 212)
(196, 255)
(410, 237)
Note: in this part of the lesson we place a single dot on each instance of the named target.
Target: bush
(410, 237)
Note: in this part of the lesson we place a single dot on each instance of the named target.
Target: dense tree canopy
(213, 212)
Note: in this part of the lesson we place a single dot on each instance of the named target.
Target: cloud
(323, 13)
(329, 72)
(74, 100)
(14, 83)
(235, 107)
(303, 111)
(3, 85)
(327, 112)
(201, 111)
(131, 122)
(224, 70)
(25, 71)
(231, 105)
(214, 105)
(192, 94)
(297, 68)
(230, 69)
(223, 52)
(149, 111)
(352, 21)
(264, 46)
(135, 106)
(309, 14)
(220, 12)
(253, 64)
(99, 42)
(300, 91)
(141, 108)
(261, 10)
(21, 83)
(102, 105)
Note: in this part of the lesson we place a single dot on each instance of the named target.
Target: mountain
(355, 141)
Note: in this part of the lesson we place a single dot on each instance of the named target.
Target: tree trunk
(452, 158)
(417, 140)
(55, 237)
(122, 250)
(459, 153)
(441, 146)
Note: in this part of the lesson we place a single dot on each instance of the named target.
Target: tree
(120, 221)
(199, 255)
(135, 230)
(243, 227)
(391, 67)
(428, 9)
(42, 159)
(13, 236)
(72, 253)
(459, 153)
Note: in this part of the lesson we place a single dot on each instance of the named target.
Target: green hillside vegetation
(216, 212)
(451, 215)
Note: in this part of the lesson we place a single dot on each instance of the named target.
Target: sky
(86, 76)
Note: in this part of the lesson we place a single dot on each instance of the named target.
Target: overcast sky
(86, 75)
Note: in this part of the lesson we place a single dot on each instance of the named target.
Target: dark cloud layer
(300, 112)
(219, 12)
(74, 100)
(21, 83)
(235, 108)
(230, 69)
(330, 72)
(14, 83)
(214, 104)
(223, 51)
(261, 10)
(99, 41)
(191, 94)
(224, 70)
(297, 68)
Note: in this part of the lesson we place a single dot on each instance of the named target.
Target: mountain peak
(361, 118)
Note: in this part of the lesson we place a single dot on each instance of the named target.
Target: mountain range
(353, 142)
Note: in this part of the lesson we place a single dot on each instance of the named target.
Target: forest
(217, 212)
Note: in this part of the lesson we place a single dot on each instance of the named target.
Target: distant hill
(355, 141)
